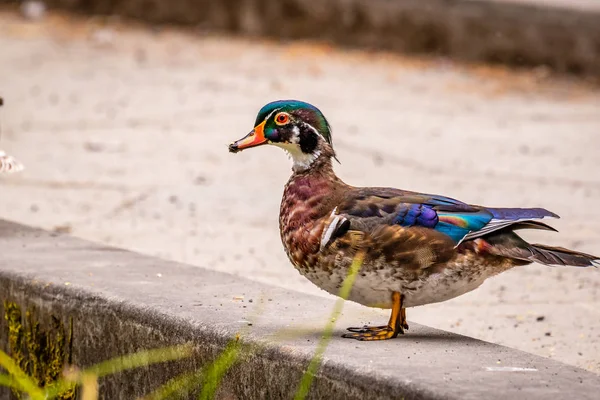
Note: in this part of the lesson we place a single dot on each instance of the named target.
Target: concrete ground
(124, 133)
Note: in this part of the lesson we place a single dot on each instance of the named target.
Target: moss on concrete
(42, 352)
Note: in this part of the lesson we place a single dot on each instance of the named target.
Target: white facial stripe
(296, 137)
(312, 128)
(272, 112)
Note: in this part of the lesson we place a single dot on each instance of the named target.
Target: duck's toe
(368, 333)
(366, 328)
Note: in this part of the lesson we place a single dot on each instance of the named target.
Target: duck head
(297, 127)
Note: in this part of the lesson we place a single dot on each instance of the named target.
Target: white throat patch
(301, 161)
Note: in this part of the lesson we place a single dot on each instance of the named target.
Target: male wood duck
(417, 248)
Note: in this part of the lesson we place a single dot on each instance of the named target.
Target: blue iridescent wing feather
(458, 220)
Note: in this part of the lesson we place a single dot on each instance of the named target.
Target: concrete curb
(121, 302)
(561, 35)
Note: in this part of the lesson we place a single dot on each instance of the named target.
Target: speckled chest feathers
(308, 198)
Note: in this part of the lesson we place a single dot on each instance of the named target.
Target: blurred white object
(103, 37)
(8, 164)
(33, 9)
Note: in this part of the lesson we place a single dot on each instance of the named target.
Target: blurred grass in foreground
(209, 377)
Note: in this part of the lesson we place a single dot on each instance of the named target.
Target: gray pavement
(120, 302)
(123, 132)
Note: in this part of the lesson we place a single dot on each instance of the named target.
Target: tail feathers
(514, 214)
(532, 225)
(560, 256)
(515, 218)
(498, 225)
(509, 244)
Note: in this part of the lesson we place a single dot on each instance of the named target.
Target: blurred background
(121, 112)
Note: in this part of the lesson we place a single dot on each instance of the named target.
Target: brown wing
(397, 247)
(365, 219)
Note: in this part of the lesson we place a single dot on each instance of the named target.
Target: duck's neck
(313, 189)
(314, 164)
(318, 159)
(304, 162)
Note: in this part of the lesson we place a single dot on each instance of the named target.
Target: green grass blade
(137, 360)
(177, 387)
(19, 377)
(122, 363)
(210, 377)
(8, 381)
(316, 360)
(215, 372)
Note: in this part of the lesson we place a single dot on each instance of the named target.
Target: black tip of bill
(233, 148)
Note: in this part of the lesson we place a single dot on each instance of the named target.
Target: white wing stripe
(328, 231)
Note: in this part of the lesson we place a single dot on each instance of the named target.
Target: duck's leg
(395, 325)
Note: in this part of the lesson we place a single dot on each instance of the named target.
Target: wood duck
(417, 248)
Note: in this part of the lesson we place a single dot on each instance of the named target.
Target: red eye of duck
(282, 118)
